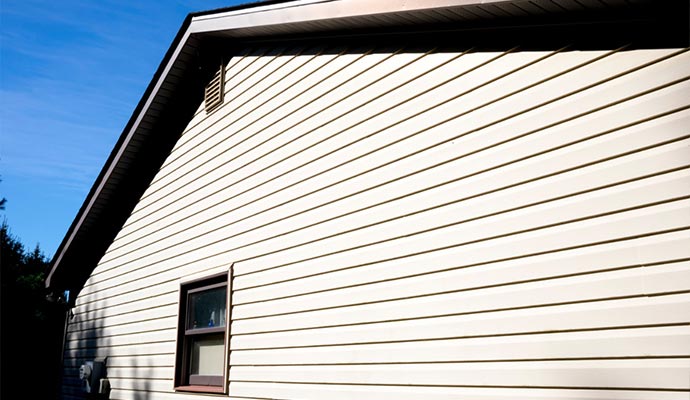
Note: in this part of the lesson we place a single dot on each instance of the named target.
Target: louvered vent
(213, 96)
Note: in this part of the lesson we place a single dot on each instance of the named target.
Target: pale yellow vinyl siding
(418, 225)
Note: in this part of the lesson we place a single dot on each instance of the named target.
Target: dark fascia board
(198, 30)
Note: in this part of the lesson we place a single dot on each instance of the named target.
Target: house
(401, 199)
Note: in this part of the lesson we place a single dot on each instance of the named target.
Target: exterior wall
(403, 225)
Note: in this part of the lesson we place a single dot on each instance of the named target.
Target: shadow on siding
(129, 377)
(85, 341)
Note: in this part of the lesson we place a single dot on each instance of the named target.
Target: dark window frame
(184, 380)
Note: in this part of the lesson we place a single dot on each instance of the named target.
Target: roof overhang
(176, 89)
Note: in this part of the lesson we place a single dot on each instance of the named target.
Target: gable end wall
(406, 225)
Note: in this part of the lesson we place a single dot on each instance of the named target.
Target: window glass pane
(207, 309)
(207, 355)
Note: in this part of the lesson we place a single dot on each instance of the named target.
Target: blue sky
(71, 73)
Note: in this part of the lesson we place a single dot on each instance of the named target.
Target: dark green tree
(30, 326)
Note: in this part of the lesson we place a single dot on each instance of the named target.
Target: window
(202, 336)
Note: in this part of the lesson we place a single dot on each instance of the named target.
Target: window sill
(200, 389)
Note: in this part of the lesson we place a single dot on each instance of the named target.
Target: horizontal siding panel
(210, 138)
(243, 82)
(158, 336)
(288, 135)
(629, 343)
(206, 139)
(166, 360)
(635, 282)
(239, 108)
(403, 392)
(340, 301)
(173, 310)
(287, 67)
(353, 93)
(392, 192)
(132, 328)
(336, 109)
(126, 293)
(119, 394)
(603, 314)
(99, 317)
(356, 71)
(163, 348)
(453, 272)
(147, 393)
(142, 385)
(665, 187)
(125, 306)
(156, 311)
(668, 157)
(466, 165)
(372, 108)
(122, 394)
(167, 277)
(666, 374)
(635, 222)
(641, 133)
(531, 243)
(144, 371)
(206, 241)
(603, 228)
(141, 293)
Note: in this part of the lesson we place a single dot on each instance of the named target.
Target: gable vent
(213, 95)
